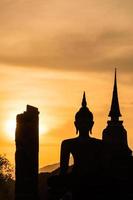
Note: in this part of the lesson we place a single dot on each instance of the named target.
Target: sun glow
(42, 129)
(10, 127)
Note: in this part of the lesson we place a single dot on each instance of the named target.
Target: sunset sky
(50, 52)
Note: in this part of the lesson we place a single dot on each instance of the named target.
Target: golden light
(42, 129)
(10, 126)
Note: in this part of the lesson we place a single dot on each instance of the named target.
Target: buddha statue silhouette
(84, 149)
(86, 152)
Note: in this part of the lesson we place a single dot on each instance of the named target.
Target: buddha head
(84, 119)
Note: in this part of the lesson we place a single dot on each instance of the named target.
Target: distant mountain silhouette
(49, 168)
(53, 167)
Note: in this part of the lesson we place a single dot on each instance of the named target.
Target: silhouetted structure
(86, 151)
(102, 168)
(115, 133)
(26, 158)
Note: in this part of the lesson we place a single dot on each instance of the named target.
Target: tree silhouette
(6, 169)
(6, 179)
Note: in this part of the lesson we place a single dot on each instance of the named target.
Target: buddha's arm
(64, 157)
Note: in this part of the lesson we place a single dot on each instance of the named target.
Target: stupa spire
(84, 102)
(115, 108)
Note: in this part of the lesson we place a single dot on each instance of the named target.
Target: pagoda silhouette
(115, 133)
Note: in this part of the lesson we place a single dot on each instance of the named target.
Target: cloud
(67, 35)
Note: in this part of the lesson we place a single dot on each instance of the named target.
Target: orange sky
(50, 53)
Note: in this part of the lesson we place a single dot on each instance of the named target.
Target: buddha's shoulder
(69, 141)
(79, 140)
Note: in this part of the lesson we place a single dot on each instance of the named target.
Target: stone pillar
(26, 156)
